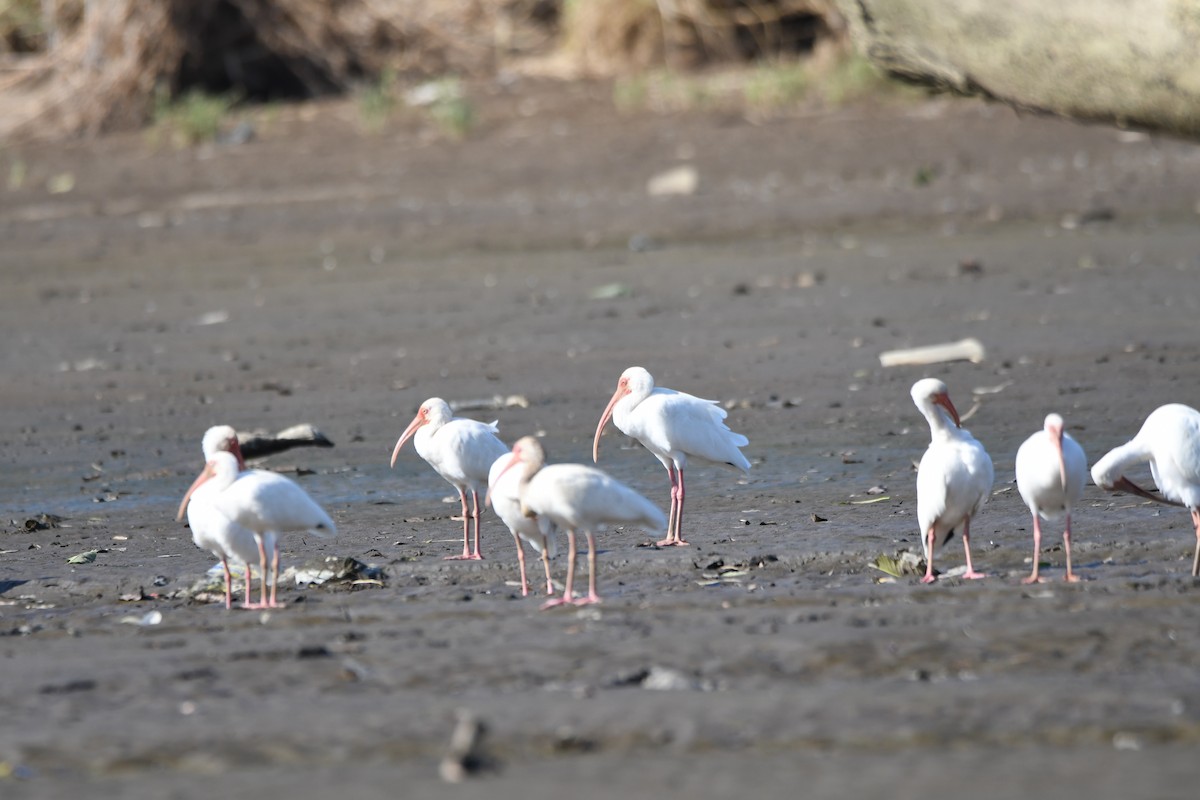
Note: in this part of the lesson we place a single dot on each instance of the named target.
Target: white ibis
(575, 497)
(211, 529)
(461, 451)
(1170, 441)
(672, 426)
(954, 477)
(502, 493)
(264, 502)
(1050, 472)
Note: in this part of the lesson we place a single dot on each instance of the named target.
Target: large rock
(1134, 64)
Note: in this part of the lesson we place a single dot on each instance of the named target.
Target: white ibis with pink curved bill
(502, 494)
(575, 498)
(266, 503)
(673, 426)
(954, 477)
(211, 529)
(462, 451)
(1170, 441)
(1051, 467)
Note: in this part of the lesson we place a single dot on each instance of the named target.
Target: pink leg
(592, 597)
(228, 584)
(546, 564)
(1037, 552)
(274, 572)
(567, 587)
(675, 517)
(466, 553)
(249, 586)
(970, 574)
(1196, 557)
(262, 566)
(521, 562)
(929, 576)
(476, 556)
(670, 514)
(1071, 577)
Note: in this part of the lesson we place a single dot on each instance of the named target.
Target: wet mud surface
(765, 657)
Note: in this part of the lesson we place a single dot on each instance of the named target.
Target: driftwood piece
(259, 444)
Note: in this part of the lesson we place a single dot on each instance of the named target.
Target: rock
(1105, 60)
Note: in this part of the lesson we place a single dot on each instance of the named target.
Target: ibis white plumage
(265, 503)
(575, 498)
(954, 477)
(462, 451)
(211, 529)
(673, 426)
(1051, 467)
(502, 494)
(1170, 441)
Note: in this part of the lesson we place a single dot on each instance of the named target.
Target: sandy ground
(319, 275)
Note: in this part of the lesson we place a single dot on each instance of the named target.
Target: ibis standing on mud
(1170, 441)
(672, 426)
(575, 497)
(1050, 472)
(502, 492)
(462, 451)
(954, 477)
(266, 503)
(211, 529)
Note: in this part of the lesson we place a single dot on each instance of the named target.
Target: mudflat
(319, 275)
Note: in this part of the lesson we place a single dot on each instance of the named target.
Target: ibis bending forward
(672, 426)
(461, 451)
(574, 498)
(1050, 471)
(502, 492)
(954, 477)
(265, 503)
(211, 529)
(1170, 441)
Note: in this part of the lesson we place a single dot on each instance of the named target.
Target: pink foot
(555, 602)
(591, 599)
(464, 557)
(673, 542)
(973, 575)
(1072, 578)
(254, 606)
(1033, 579)
(929, 579)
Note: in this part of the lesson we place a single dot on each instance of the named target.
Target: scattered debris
(1000, 387)
(211, 318)
(819, 518)
(149, 618)
(493, 403)
(879, 499)
(684, 180)
(464, 755)
(83, 558)
(611, 291)
(904, 563)
(969, 349)
(41, 522)
(337, 569)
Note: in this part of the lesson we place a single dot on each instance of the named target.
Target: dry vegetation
(88, 66)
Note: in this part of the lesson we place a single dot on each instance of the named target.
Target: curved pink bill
(417, 422)
(487, 498)
(608, 410)
(943, 400)
(205, 474)
(1123, 484)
